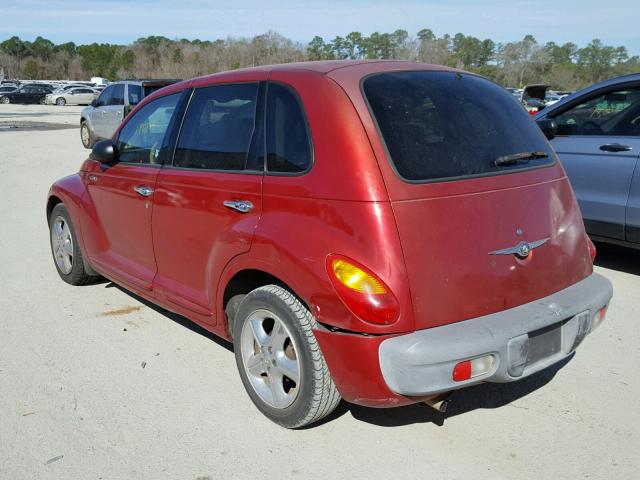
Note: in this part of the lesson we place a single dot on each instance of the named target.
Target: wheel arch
(241, 278)
(52, 201)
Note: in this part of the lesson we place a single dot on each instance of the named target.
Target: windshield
(447, 125)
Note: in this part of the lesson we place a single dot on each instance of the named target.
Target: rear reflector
(599, 318)
(592, 249)
(473, 368)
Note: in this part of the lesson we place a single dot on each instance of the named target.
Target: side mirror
(94, 102)
(104, 152)
(549, 127)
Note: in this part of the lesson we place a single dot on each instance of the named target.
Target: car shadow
(615, 257)
(185, 322)
(482, 396)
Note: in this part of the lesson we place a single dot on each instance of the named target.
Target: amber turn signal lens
(356, 278)
(362, 291)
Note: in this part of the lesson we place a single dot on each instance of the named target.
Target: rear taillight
(592, 249)
(362, 291)
(533, 111)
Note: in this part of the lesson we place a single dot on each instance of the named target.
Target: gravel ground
(96, 384)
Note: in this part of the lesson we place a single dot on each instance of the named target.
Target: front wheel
(279, 360)
(66, 252)
(61, 102)
(5, 100)
(85, 135)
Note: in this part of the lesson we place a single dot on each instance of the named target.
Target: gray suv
(597, 137)
(100, 120)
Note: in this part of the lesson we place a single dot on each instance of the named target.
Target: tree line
(565, 67)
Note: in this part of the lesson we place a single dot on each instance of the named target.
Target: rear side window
(444, 125)
(288, 145)
(134, 93)
(117, 97)
(218, 127)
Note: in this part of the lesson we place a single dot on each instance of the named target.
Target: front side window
(105, 97)
(218, 127)
(615, 113)
(447, 125)
(288, 145)
(117, 97)
(143, 139)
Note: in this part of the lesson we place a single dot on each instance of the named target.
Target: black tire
(77, 274)
(41, 101)
(87, 139)
(5, 100)
(61, 102)
(317, 395)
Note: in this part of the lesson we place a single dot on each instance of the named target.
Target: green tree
(31, 70)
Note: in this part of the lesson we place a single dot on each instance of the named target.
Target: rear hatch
(480, 187)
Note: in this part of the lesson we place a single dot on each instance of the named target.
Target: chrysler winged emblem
(521, 250)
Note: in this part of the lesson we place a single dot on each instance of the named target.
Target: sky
(615, 22)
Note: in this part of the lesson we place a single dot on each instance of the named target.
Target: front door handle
(143, 190)
(614, 147)
(242, 206)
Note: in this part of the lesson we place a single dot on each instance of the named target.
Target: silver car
(72, 96)
(100, 120)
(597, 137)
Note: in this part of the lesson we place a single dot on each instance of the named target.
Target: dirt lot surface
(95, 384)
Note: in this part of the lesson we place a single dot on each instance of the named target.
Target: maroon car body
(434, 244)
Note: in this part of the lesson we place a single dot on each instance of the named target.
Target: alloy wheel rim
(62, 244)
(84, 134)
(269, 356)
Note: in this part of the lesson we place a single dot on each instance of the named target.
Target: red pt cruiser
(378, 232)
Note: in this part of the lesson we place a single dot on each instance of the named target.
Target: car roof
(326, 66)
(354, 69)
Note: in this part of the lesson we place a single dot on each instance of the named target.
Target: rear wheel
(65, 249)
(279, 360)
(61, 102)
(86, 137)
(5, 100)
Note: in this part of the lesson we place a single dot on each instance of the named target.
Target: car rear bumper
(522, 340)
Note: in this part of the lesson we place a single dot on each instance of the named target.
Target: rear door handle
(614, 147)
(242, 206)
(143, 190)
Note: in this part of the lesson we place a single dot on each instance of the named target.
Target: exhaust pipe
(439, 402)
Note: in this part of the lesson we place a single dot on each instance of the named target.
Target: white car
(72, 96)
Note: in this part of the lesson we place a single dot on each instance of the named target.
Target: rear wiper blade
(516, 157)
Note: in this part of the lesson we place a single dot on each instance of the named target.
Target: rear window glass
(444, 125)
(288, 146)
(134, 93)
(217, 128)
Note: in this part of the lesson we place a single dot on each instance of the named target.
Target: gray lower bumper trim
(421, 363)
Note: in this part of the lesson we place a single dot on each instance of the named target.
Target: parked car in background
(532, 98)
(381, 232)
(64, 88)
(72, 96)
(27, 93)
(597, 137)
(101, 119)
(552, 97)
